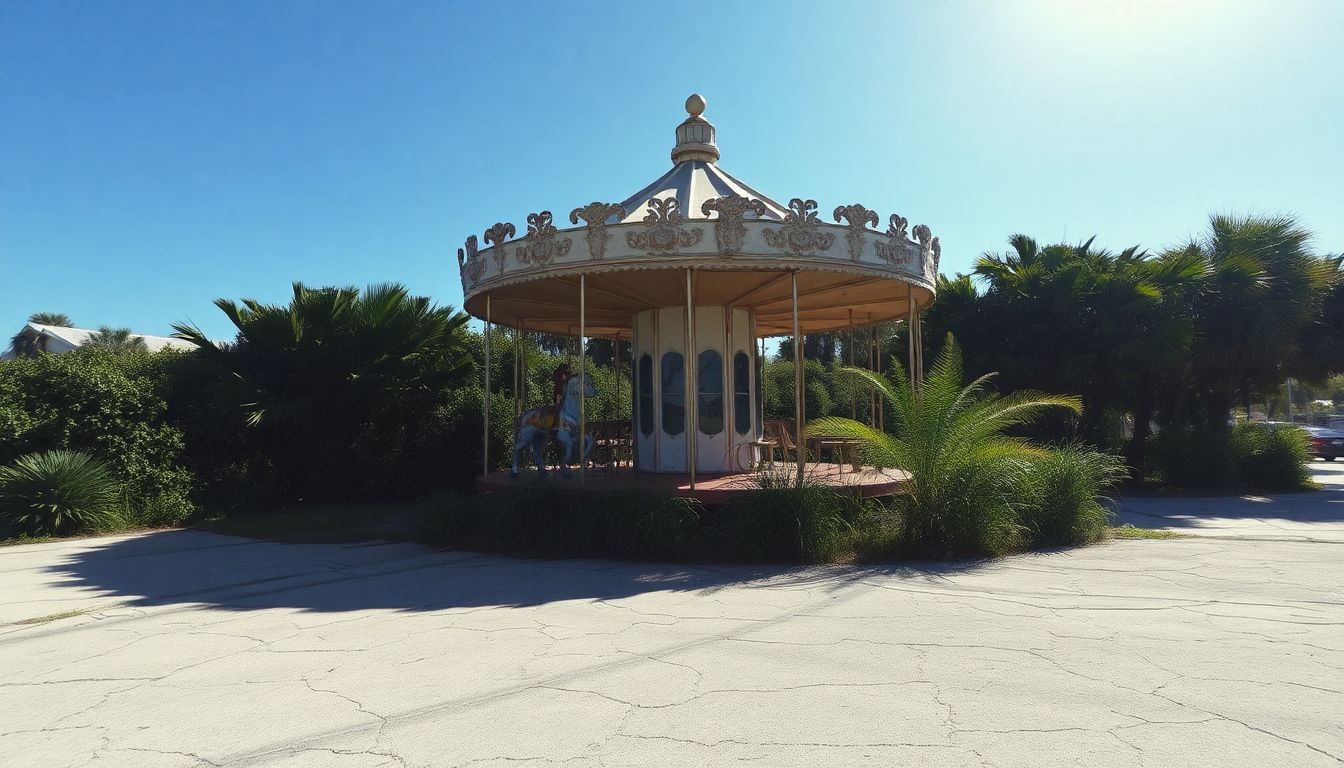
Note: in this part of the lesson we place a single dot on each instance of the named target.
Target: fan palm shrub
(58, 492)
(968, 477)
(314, 374)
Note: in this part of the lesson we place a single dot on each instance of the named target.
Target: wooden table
(841, 443)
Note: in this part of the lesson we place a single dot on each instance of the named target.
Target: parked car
(1325, 443)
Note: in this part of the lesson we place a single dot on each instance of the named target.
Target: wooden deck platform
(709, 489)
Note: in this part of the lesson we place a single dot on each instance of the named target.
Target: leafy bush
(58, 492)
(1270, 460)
(1190, 457)
(1064, 504)
(231, 470)
(108, 406)
(780, 388)
(1247, 456)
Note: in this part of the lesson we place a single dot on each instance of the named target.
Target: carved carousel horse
(560, 422)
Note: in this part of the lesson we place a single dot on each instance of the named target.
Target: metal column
(798, 383)
(583, 373)
(485, 452)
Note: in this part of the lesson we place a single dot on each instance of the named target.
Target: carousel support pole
(760, 371)
(853, 403)
(522, 366)
(689, 367)
(919, 341)
(798, 384)
(910, 334)
(485, 450)
(872, 396)
(620, 396)
(583, 373)
(878, 421)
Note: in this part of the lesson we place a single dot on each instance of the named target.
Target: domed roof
(695, 176)
(691, 183)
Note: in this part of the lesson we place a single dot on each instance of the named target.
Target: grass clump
(1128, 531)
(1064, 503)
(58, 493)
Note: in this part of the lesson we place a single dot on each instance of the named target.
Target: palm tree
(51, 318)
(311, 372)
(1264, 290)
(1080, 319)
(119, 341)
(966, 474)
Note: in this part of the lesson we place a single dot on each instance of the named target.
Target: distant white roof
(62, 339)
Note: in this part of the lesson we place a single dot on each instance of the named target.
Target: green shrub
(1270, 460)
(1064, 504)
(58, 492)
(231, 471)
(552, 520)
(1188, 457)
(1248, 456)
(108, 406)
(780, 387)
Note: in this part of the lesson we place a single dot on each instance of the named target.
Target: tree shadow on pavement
(196, 567)
(1302, 510)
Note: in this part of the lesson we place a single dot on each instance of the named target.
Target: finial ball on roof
(695, 104)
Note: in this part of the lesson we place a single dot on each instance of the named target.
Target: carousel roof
(695, 176)
(691, 183)
(740, 245)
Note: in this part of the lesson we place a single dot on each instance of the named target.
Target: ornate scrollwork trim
(595, 215)
(926, 239)
(470, 264)
(895, 251)
(542, 245)
(662, 228)
(800, 233)
(729, 231)
(857, 217)
(496, 235)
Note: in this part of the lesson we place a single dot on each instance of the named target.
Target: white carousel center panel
(721, 414)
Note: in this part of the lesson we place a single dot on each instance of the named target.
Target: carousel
(694, 271)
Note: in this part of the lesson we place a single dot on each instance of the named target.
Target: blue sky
(156, 155)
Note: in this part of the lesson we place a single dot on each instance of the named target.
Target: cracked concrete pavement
(1308, 516)
(192, 649)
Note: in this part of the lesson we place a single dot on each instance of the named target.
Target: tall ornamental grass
(1065, 505)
